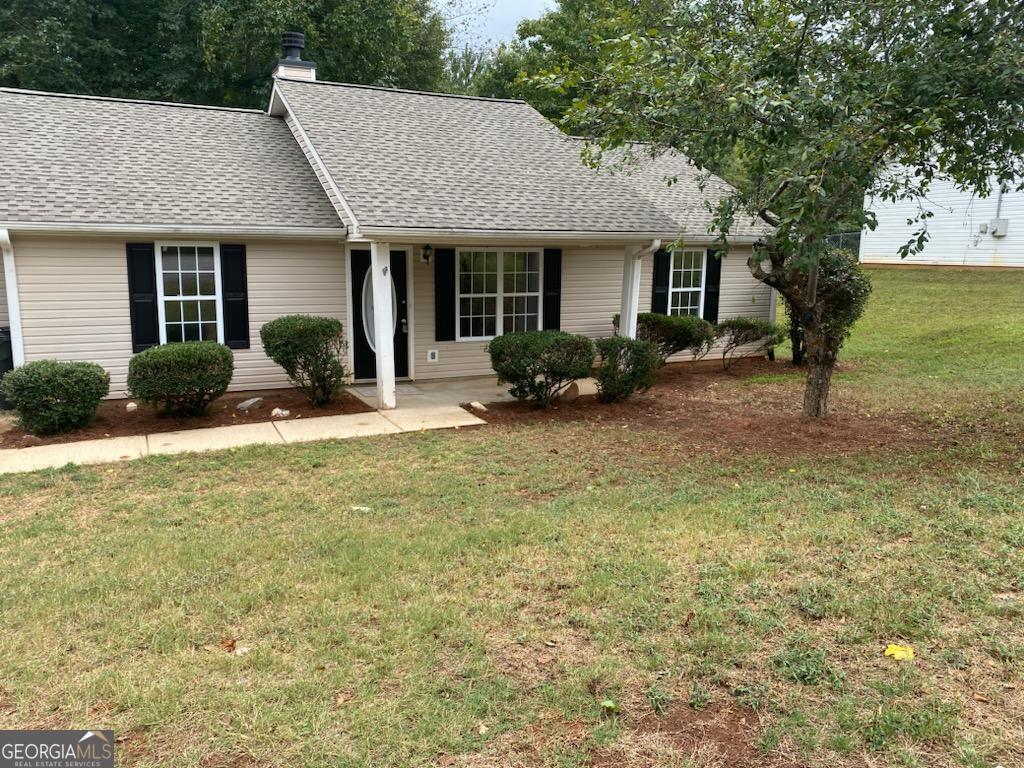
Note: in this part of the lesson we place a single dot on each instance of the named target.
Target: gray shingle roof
(418, 160)
(684, 200)
(106, 161)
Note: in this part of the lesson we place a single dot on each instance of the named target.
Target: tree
(564, 39)
(215, 51)
(818, 102)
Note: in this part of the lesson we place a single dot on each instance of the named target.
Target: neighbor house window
(686, 287)
(499, 292)
(189, 292)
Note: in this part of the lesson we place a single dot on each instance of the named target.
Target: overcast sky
(498, 19)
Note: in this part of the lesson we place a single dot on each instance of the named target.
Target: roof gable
(414, 160)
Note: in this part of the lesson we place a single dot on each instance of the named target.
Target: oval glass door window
(368, 315)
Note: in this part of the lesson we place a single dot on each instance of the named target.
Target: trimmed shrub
(747, 331)
(540, 364)
(627, 366)
(51, 396)
(672, 334)
(183, 378)
(311, 350)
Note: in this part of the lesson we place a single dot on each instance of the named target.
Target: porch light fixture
(426, 254)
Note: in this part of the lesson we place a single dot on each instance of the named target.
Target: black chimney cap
(294, 44)
(293, 40)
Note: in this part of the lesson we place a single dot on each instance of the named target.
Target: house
(965, 230)
(427, 223)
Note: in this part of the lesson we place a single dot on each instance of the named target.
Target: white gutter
(458, 235)
(81, 228)
(346, 209)
(13, 304)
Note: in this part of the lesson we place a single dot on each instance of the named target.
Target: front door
(364, 350)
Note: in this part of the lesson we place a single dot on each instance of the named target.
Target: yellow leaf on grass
(899, 652)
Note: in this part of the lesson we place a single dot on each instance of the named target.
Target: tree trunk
(796, 339)
(821, 360)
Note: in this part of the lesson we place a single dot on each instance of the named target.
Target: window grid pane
(686, 282)
(190, 290)
(478, 293)
(521, 279)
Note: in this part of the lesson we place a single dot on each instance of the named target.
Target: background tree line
(215, 51)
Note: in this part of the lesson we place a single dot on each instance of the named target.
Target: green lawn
(548, 594)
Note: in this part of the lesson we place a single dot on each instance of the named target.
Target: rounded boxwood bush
(183, 378)
(627, 366)
(674, 333)
(752, 332)
(51, 396)
(540, 364)
(311, 350)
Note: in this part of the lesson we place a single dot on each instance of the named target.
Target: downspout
(629, 307)
(13, 305)
(648, 250)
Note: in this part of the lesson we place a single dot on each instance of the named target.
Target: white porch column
(632, 261)
(13, 301)
(384, 329)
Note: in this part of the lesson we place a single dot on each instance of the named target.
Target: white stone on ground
(248, 405)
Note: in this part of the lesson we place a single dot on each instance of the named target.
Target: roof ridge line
(414, 92)
(119, 100)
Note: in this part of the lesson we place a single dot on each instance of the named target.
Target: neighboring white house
(966, 230)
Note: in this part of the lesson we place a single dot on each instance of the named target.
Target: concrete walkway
(414, 418)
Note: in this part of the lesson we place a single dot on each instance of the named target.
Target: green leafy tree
(565, 39)
(215, 51)
(818, 102)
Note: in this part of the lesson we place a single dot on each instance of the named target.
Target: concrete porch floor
(440, 393)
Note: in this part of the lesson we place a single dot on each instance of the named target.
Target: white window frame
(159, 264)
(500, 295)
(703, 278)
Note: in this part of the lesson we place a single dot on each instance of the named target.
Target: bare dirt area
(753, 406)
(720, 735)
(112, 419)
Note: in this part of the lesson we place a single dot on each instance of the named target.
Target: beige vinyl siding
(74, 300)
(592, 290)
(287, 278)
(4, 316)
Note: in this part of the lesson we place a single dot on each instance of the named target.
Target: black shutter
(552, 289)
(142, 296)
(235, 300)
(444, 294)
(712, 282)
(662, 275)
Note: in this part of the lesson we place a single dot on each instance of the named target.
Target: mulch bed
(113, 421)
(698, 407)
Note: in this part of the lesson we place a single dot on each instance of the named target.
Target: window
(189, 292)
(499, 292)
(686, 286)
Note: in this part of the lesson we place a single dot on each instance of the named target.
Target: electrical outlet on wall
(432, 356)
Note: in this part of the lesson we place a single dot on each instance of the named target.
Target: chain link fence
(848, 240)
